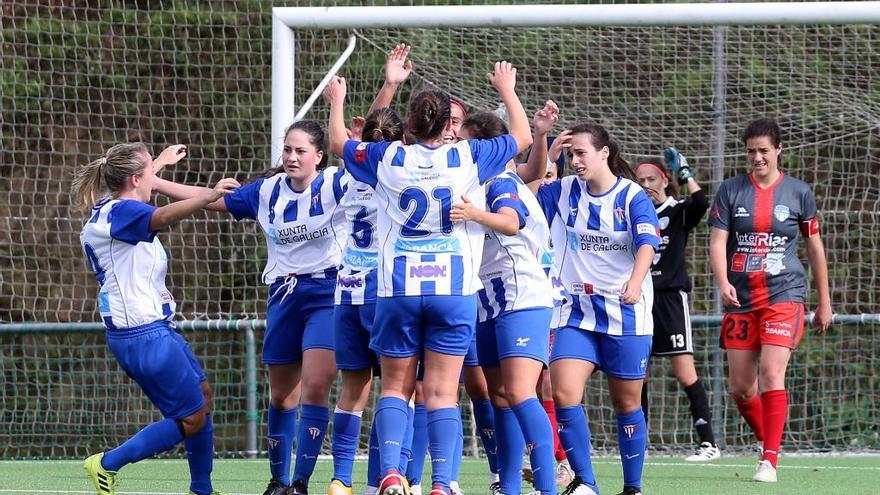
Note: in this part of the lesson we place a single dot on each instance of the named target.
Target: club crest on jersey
(781, 212)
(620, 215)
(360, 153)
(664, 222)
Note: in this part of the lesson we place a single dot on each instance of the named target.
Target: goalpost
(690, 75)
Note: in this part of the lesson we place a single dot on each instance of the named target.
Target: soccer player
(672, 323)
(428, 274)
(513, 326)
(757, 220)
(356, 308)
(605, 236)
(121, 244)
(296, 207)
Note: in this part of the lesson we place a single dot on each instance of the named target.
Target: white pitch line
(752, 466)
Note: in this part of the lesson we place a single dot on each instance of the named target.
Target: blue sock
(538, 433)
(419, 445)
(574, 433)
(373, 468)
(312, 426)
(346, 427)
(154, 439)
(459, 449)
(632, 436)
(406, 446)
(200, 456)
(484, 417)
(282, 425)
(391, 415)
(443, 427)
(510, 450)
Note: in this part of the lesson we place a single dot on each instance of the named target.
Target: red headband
(662, 172)
(453, 101)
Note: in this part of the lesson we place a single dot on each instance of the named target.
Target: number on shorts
(677, 340)
(731, 332)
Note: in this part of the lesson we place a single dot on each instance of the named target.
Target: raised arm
(397, 70)
(503, 79)
(536, 167)
(170, 214)
(334, 93)
(179, 192)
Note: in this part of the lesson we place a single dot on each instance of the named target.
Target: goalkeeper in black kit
(672, 323)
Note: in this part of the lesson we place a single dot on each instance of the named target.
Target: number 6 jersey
(422, 252)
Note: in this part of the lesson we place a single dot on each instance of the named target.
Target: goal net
(75, 80)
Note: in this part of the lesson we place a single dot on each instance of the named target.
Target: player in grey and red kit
(757, 220)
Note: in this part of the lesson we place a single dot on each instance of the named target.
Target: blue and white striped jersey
(511, 270)
(304, 230)
(129, 263)
(596, 241)
(422, 252)
(356, 283)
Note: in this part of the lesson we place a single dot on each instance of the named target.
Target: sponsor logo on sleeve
(647, 228)
(360, 153)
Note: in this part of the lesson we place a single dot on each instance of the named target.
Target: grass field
(663, 476)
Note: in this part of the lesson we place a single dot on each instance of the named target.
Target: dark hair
(763, 127)
(317, 138)
(671, 186)
(600, 139)
(428, 114)
(484, 125)
(383, 124)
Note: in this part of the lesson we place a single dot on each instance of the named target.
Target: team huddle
(429, 257)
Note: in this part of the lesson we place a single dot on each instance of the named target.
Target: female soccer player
(428, 272)
(121, 244)
(513, 326)
(356, 308)
(672, 323)
(757, 219)
(606, 239)
(296, 206)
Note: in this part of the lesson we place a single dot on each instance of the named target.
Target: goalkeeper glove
(678, 164)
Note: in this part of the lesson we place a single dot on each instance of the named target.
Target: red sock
(775, 404)
(558, 449)
(753, 412)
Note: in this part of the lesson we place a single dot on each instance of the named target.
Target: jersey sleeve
(809, 220)
(130, 221)
(492, 155)
(340, 183)
(244, 202)
(644, 224)
(362, 160)
(719, 215)
(503, 192)
(548, 197)
(694, 208)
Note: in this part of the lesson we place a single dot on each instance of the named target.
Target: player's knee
(625, 404)
(193, 423)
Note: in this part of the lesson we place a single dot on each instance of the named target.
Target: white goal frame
(285, 20)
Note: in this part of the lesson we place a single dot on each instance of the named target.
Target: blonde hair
(111, 170)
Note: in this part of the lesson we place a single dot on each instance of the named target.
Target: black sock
(700, 411)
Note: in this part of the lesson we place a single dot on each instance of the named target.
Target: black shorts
(672, 324)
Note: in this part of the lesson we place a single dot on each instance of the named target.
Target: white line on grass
(783, 466)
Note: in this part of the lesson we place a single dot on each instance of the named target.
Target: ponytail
(111, 170)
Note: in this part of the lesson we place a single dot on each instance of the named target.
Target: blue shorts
(353, 326)
(471, 359)
(157, 358)
(405, 325)
(624, 357)
(518, 333)
(298, 318)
